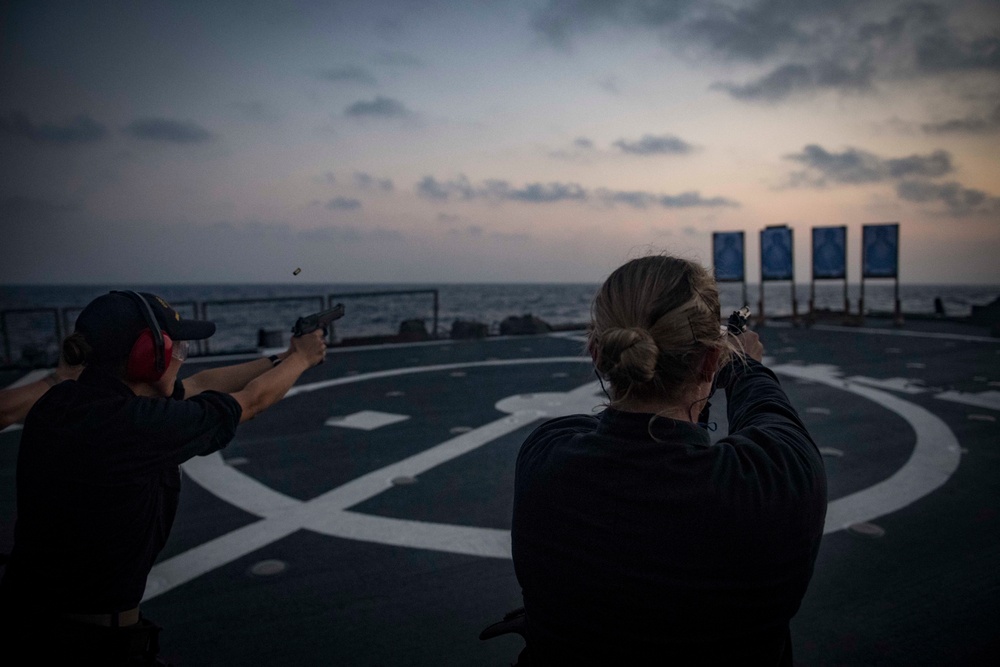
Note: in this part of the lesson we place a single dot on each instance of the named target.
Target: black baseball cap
(111, 324)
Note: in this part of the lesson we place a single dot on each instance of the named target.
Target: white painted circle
(935, 457)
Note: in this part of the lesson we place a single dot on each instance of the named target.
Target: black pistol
(319, 320)
(737, 322)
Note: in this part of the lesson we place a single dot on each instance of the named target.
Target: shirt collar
(648, 427)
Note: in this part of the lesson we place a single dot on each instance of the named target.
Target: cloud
(937, 163)
(343, 204)
(535, 193)
(559, 19)
(750, 32)
(652, 145)
(348, 74)
(911, 173)
(369, 182)
(639, 199)
(499, 190)
(943, 51)
(690, 199)
(80, 129)
(580, 149)
(169, 131)
(431, 188)
(851, 166)
(959, 201)
(805, 45)
(548, 193)
(854, 166)
(967, 125)
(380, 107)
(791, 79)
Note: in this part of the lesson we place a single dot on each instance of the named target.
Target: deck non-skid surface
(365, 519)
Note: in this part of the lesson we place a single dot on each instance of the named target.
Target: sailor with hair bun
(635, 539)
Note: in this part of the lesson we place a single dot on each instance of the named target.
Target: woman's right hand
(311, 346)
(752, 347)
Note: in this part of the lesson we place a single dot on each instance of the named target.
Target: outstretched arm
(231, 379)
(268, 388)
(17, 401)
(228, 379)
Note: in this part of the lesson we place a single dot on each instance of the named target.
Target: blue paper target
(776, 254)
(829, 252)
(727, 256)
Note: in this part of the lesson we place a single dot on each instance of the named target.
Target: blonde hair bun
(628, 354)
(653, 322)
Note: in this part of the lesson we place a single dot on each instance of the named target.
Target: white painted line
(935, 456)
(907, 334)
(818, 411)
(366, 420)
(934, 459)
(206, 557)
(982, 418)
(323, 384)
(237, 488)
(904, 385)
(984, 399)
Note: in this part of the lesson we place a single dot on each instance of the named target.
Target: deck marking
(366, 420)
(905, 385)
(935, 457)
(984, 399)
(893, 332)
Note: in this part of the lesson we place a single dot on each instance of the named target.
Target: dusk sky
(488, 141)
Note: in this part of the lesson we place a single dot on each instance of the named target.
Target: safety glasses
(180, 350)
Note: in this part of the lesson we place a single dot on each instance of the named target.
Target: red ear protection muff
(141, 365)
(150, 353)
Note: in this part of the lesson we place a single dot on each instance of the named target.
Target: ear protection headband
(147, 360)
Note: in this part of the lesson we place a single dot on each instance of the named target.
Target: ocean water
(25, 336)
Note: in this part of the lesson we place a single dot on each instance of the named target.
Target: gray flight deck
(364, 520)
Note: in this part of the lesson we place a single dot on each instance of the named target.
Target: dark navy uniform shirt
(97, 490)
(639, 542)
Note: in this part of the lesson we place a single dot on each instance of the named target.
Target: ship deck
(365, 519)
